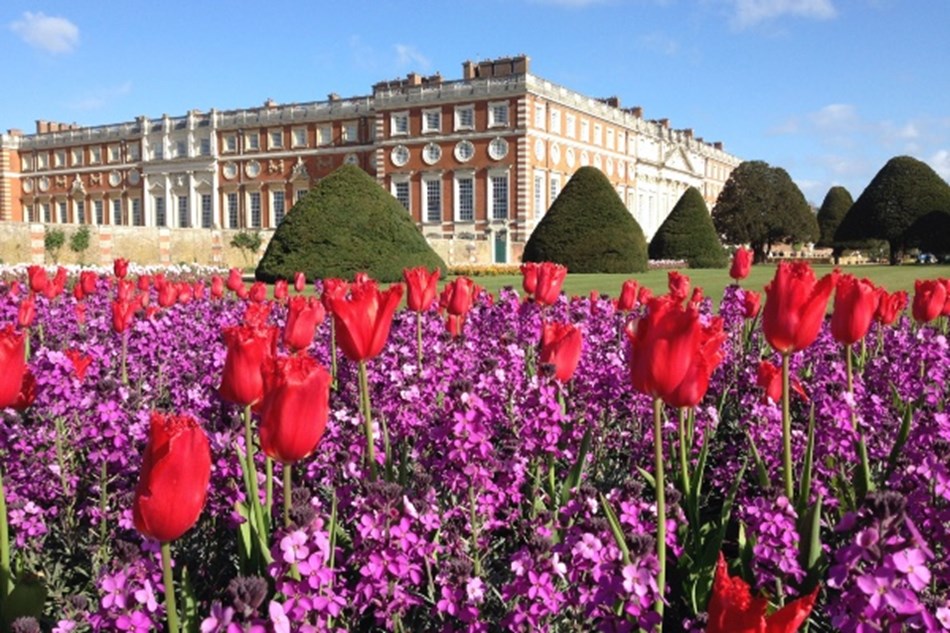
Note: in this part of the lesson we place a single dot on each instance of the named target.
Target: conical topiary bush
(588, 229)
(346, 224)
(688, 233)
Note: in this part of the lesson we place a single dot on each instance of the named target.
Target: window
(95, 155)
(252, 141)
(621, 141)
(158, 152)
(97, 211)
(137, 218)
(76, 156)
(432, 153)
(400, 155)
(80, 207)
(464, 151)
(399, 124)
(255, 199)
(465, 117)
(539, 207)
(184, 212)
(400, 190)
(275, 139)
(277, 204)
(133, 150)
(42, 160)
(299, 194)
(555, 121)
(207, 218)
(230, 144)
(325, 135)
(27, 162)
(45, 208)
(59, 158)
(115, 153)
(181, 149)
(204, 147)
(160, 217)
(431, 121)
(63, 213)
(299, 138)
(498, 148)
(117, 212)
(498, 114)
(610, 138)
(598, 134)
(231, 201)
(555, 187)
(432, 193)
(585, 131)
(498, 202)
(350, 132)
(570, 125)
(539, 115)
(465, 197)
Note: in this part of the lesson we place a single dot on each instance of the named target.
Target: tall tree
(907, 204)
(833, 209)
(760, 205)
(688, 233)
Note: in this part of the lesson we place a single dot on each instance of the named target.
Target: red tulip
(930, 295)
(27, 392)
(741, 263)
(80, 362)
(248, 347)
(946, 303)
(78, 293)
(173, 486)
(80, 309)
(235, 280)
(295, 407)
(458, 296)
(363, 319)
(303, 316)
(123, 313)
(697, 298)
(854, 307)
(644, 295)
(769, 377)
(550, 279)
(26, 313)
(124, 290)
(258, 292)
(198, 290)
(673, 355)
(14, 289)
(795, 306)
(333, 288)
(529, 277)
(185, 293)
(454, 324)
(217, 287)
(38, 278)
(280, 289)
(890, 306)
(120, 267)
(678, 285)
(561, 347)
(751, 301)
(422, 286)
(732, 609)
(167, 295)
(55, 287)
(89, 280)
(628, 295)
(144, 282)
(257, 314)
(300, 280)
(12, 365)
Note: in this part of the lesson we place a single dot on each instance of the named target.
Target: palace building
(476, 161)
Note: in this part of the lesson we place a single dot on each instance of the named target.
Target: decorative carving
(299, 171)
(275, 166)
(61, 181)
(95, 179)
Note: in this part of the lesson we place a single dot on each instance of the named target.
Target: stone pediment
(677, 160)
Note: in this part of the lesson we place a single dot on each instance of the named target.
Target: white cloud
(51, 34)
(940, 161)
(410, 56)
(101, 97)
(835, 116)
(748, 13)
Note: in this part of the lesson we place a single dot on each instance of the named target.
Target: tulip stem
(26, 344)
(268, 485)
(419, 340)
(255, 512)
(660, 504)
(684, 463)
(287, 493)
(333, 350)
(6, 579)
(171, 609)
(787, 432)
(125, 349)
(367, 422)
(864, 482)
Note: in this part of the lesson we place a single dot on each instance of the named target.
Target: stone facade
(476, 162)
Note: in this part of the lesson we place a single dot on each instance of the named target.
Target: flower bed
(505, 499)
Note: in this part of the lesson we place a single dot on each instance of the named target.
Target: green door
(501, 247)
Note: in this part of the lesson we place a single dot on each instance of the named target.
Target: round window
(498, 148)
(432, 153)
(399, 156)
(464, 151)
(253, 169)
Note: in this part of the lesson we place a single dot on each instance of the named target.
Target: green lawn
(714, 281)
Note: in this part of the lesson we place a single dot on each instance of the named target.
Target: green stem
(103, 502)
(333, 350)
(864, 482)
(268, 484)
(787, 432)
(367, 422)
(26, 344)
(419, 340)
(473, 518)
(171, 609)
(684, 464)
(6, 579)
(125, 347)
(287, 493)
(660, 503)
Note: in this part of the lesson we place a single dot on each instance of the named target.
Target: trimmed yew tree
(688, 234)
(588, 229)
(833, 209)
(346, 224)
(907, 204)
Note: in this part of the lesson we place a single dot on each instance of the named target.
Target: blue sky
(827, 89)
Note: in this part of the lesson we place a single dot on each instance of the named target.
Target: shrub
(346, 224)
(688, 233)
(53, 242)
(79, 242)
(248, 243)
(588, 229)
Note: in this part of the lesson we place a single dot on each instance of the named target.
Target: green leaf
(804, 492)
(190, 619)
(26, 599)
(811, 555)
(615, 527)
(764, 481)
(574, 476)
(646, 475)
